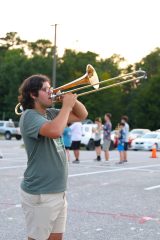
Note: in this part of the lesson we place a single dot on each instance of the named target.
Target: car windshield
(153, 135)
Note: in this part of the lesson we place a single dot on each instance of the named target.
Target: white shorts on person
(44, 214)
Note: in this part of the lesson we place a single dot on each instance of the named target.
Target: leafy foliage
(20, 59)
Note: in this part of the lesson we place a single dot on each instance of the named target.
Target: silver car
(147, 141)
(8, 130)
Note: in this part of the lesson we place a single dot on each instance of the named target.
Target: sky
(130, 28)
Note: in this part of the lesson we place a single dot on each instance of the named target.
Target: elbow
(84, 115)
(56, 133)
(51, 130)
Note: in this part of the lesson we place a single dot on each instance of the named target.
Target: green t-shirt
(47, 166)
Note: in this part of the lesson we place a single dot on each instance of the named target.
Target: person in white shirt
(76, 136)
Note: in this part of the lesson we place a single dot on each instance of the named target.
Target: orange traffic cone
(154, 151)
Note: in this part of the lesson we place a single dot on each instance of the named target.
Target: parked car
(147, 141)
(88, 137)
(138, 132)
(8, 130)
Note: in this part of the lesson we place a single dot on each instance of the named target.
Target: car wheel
(8, 136)
(90, 145)
(18, 137)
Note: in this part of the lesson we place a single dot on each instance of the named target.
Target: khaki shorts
(44, 214)
(106, 145)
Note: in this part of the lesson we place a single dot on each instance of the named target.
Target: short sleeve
(32, 123)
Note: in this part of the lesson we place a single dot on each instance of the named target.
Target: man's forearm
(79, 110)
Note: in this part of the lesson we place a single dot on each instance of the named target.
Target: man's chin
(50, 104)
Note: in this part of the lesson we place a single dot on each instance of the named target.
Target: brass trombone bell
(90, 77)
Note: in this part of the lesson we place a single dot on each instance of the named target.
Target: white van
(88, 137)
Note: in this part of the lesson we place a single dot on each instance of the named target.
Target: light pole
(54, 57)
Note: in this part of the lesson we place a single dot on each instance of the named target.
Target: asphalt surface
(106, 201)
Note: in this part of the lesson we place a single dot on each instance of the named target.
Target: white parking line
(11, 160)
(151, 188)
(10, 208)
(12, 167)
(113, 170)
(97, 172)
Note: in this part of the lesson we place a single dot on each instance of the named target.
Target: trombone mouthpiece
(52, 96)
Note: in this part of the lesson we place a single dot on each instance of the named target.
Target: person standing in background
(67, 140)
(107, 128)
(124, 119)
(121, 141)
(97, 141)
(76, 136)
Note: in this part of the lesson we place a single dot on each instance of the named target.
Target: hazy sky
(130, 28)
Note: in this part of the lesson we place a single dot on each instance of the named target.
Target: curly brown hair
(31, 85)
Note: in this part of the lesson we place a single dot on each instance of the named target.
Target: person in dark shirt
(121, 142)
(107, 128)
(124, 119)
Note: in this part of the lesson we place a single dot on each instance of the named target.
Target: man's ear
(32, 96)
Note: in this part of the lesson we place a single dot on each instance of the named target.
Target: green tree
(11, 72)
(144, 101)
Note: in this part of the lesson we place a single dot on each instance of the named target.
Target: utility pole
(54, 57)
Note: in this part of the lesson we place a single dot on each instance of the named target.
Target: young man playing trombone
(45, 178)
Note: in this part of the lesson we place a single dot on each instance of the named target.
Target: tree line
(140, 102)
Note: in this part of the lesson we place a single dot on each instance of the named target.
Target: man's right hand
(69, 100)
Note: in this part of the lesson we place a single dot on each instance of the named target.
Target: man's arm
(55, 127)
(78, 113)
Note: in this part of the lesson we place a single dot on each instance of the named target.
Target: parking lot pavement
(105, 200)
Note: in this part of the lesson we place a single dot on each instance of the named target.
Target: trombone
(91, 79)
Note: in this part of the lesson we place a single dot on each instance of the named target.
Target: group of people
(121, 137)
(72, 138)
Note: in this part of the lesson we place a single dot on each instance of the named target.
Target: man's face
(44, 96)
